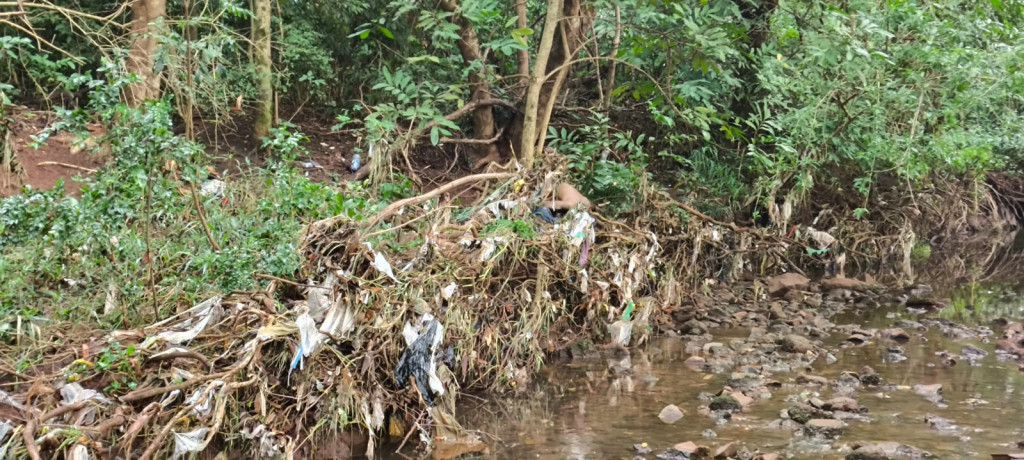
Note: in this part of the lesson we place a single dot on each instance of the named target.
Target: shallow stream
(602, 405)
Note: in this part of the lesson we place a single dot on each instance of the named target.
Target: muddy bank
(830, 372)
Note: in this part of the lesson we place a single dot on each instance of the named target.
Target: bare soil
(56, 160)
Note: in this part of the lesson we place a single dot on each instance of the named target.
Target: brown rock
(780, 284)
(727, 451)
(823, 427)
(771, 456)
(692, 450)
(886, 451)
(795, 344)
(843, 404)
(811, 379)
(840, 282)
(896, 334)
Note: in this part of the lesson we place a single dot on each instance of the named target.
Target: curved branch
(67, 11)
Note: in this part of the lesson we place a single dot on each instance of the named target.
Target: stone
(940, 423)
(803, 413)
(744, 381)
(896, 334)
(840, 282)
(671, 414)
(695, 362)
(686, 450)
(709, 433)
(886, 451)
(727, 451)
(824, 428)
(725, 403)
(642, 449)
(808, 379)
(842, 403)
(870, 379)
(796, 344)
(973, 352)
(780, 284)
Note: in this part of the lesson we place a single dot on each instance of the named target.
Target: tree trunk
(143, 49)
(483, 116)
(262, 59)
(527, 130)
(614, 54)
(524, 54)
(563, 38)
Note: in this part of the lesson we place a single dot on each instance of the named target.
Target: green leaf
(386, 32)
(435, 135)
(366, 33)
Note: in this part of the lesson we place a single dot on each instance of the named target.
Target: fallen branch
(448, 140)
(202, 217)
(394, 207)
(179, 354)
(67, 165)
(29, 434)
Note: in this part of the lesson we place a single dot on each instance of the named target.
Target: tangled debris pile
(395, 315)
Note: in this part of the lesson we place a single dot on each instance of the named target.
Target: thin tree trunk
(615, 52)
(483, 116)
(566, 42)
(262, 58)
(143, 49)
(528, 135)
(524, 54)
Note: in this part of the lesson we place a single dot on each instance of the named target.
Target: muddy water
(600, 406)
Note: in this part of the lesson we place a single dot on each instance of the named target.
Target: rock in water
(671, 414)
(796, 344)
(886, 451)
(780, 284)
(824, 428)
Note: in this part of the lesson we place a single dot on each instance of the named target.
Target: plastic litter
(448, 291)
(190, 442)
(544, 213)
(79, 452)
(202, 397)
(5, 429)
(213, 188)
(419, 360)
(381, 264)
(8, 400)
(340, 321)
(73, 393)
(204, 314)
(357, 161)
(309, 339)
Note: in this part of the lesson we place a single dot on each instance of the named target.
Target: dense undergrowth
(132, 246)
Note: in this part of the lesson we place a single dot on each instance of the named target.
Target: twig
(202, 217)
(180, 354)
(492, 140)
(66, 165)
(29, 433)
(293, 283)
(412, 429)
(155, 444)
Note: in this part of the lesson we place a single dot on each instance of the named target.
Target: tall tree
(145, 14)
(483, 115)
(262, 59)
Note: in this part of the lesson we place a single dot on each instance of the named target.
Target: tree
(261, 56)
(145, 15)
